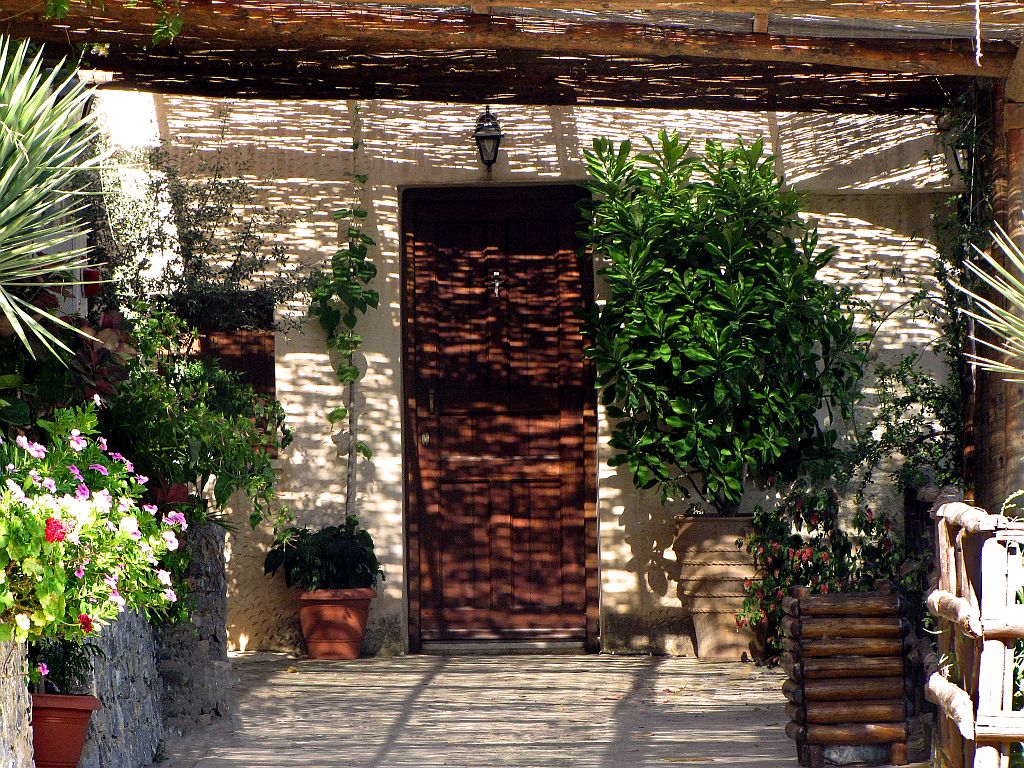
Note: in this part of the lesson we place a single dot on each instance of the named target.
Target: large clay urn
(59, 724)
(712, 570)
(334, 621)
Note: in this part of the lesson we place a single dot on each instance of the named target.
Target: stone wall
(15, 733)
(193, 656)
(127, 731)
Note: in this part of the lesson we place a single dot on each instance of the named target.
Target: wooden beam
(1015, 80)
(531, 78)
(287, 25)
(943, 13)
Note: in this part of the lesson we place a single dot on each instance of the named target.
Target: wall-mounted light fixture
(488, 137)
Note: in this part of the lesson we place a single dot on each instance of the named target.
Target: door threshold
(500, 647)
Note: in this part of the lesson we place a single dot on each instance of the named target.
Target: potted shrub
(60, 715)
(337, 570)
(716, 343)
(76, 547)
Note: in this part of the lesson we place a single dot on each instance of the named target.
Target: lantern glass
(488, 137)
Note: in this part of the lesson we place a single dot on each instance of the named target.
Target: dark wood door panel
(499, 416)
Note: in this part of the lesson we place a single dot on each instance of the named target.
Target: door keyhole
(497, 284)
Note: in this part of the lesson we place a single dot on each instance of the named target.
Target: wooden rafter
(942, 13)
(310, 26)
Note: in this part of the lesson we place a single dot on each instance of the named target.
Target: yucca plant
(45, 141)
(1002, 313)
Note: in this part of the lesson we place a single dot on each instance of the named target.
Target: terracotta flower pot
(334, 621)
(712, 570)
(59, 724)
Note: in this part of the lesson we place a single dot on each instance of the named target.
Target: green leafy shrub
(718, 344)
(335, 557)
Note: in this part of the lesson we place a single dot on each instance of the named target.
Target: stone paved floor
(476, 712)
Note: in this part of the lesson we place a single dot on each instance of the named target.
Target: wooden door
(500, 428)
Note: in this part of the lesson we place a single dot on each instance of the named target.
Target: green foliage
(335, 557)
(75, 547)
(718, 344)
(44, 143)
(67, 664)
(198, 243)
(338, 297)
(801, 543)
(917, 418)
(187, 421)
(168, 21)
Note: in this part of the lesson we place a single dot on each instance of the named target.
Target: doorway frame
(410, 500)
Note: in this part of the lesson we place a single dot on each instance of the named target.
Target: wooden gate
(500, 428)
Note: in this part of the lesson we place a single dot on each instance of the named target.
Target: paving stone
(477, 712)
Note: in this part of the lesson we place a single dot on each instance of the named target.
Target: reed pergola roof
(874, 55)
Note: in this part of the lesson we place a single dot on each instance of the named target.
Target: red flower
(824, 589)
(85, 622)
(747, 583)
(55, 530)
(824, 557)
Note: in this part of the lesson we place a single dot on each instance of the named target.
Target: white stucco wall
(872, 184)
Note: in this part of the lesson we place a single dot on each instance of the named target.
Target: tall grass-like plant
(1003, 316)
(1005, 320)
(45, 141)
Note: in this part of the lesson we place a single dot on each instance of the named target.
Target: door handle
(425, 438)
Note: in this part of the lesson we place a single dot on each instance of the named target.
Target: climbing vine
(339, 296)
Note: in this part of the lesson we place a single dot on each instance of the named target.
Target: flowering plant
(800, 543)
(76, 549)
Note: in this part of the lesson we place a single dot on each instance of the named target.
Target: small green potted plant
(337, 569)
(59, 669)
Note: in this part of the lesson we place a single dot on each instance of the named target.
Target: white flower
(23, 621)
(129, 524)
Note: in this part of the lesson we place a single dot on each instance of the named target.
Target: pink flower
(43, 669)
(78, 442)
(100, 468)
(116, 599)
(35, 450)
(170, 596)
(124, 504)
(80, 570)
(170, 539)
(141, 479)
(164, 577)
(49, 484)
(82, 492)
(36, 477)
(176, 518)
(151, 508)
(76, 473)
(102, 443)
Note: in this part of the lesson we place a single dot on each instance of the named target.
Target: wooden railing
(979, 573)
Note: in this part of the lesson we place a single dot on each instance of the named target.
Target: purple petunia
(100, 468)
(82, 492)
(76, 473)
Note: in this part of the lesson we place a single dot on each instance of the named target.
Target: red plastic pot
(334, 621)
(59, 724)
